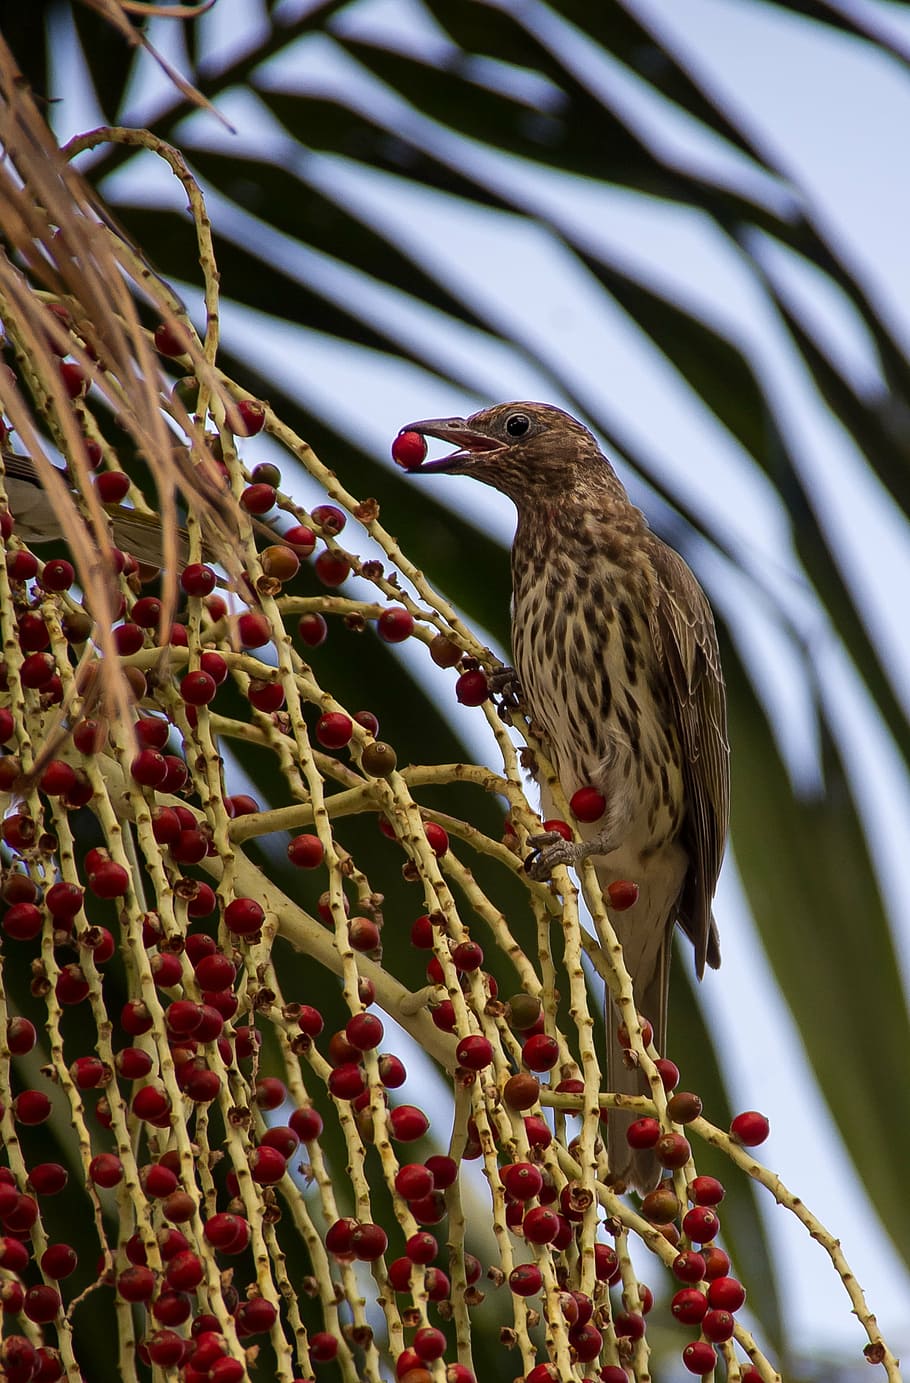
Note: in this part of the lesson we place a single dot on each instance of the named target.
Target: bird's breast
(585, 658)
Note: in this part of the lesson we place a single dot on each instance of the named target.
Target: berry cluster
(209, 1130)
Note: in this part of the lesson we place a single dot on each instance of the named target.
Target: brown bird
(615, 648)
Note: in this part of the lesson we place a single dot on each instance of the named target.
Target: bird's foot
(505, 688)
(549, 850)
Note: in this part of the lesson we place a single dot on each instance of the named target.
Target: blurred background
(686, 223)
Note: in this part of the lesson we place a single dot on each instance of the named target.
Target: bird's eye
(517, 424)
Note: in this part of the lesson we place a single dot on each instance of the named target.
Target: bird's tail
(638, 1169)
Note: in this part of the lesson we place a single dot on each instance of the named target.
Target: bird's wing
(682, 627)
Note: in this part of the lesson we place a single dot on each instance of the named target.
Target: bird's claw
(548, 851)
(506, 689)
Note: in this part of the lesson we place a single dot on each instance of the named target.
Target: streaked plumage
(616, 651)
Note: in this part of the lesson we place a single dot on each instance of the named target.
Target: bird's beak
(460, 434)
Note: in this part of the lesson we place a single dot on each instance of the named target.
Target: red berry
(258, 499)
(472, 688)
(537, 1132)
(14, 1255)
(364, 1031)
(331, 568)
(409, 450)
(266, 696)
(606, 1263)
(414, 1181)
(112, 487)
(49, 1179)
(106, 1169)
(215, 666)
(31, 1108)
(467, 956)
(369, 1242)
(689, 1266)
(172, 339)
(21, 566)
(540, 1225)
(437, 838)
(197, 688)
(254, 629)
(561, 828)
(41, 1304)
(392, 1072)
(267, 1165)
(323, 1347)
(525, 1280)
(224, 1231)
(198, 579)
(135, 1018)
(408, 1123)
(244, 916)
(58, 575)
(706, 1191)
(149, 768)
(334, 730)
(421, 1247)
(673, 1150)
(19, 1360)
(88, 1072)
(58, 1261)
(474, 1052)
(313, 630)
(623, 894)
(215, 972)
(301, 539)
(647, 1033)
(21, 1036)
(307, 1124)
(165, 1348)
(23, 921)
(629, 1325)
(347, 1081)
(395, 625)
(643, 1133)
(689, 1306)
(522, 1180)
(429, 1343)
(586, 1341)
(700, 1224)
(699, 1357)
(718, 1326)
(136, 1284)
(540, 1053)
(246, 418)
(727, 1294)
(310, 1020)
(587, 804)
(151, 1103)
(270, 1092)
(37, 670)
(73, 378)
(750, 1128)
(306, 852)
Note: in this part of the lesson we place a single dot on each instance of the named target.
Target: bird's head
(522, 449)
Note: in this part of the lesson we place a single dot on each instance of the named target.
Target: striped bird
(616, 652)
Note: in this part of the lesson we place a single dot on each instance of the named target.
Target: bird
(37, 521)
(615, 649)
